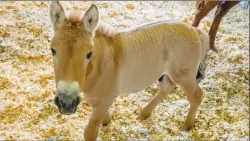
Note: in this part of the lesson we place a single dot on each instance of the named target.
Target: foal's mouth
(67, 113)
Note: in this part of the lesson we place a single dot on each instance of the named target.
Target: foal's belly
(138, 74)
(134, 84)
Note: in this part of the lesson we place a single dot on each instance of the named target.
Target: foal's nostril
(76, 102)
(62, 104)
(59, 103)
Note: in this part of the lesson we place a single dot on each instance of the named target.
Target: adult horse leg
(197, 5)
(202, 9)
(221, 11)
(166, 86)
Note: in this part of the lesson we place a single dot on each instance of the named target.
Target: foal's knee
(196, 98)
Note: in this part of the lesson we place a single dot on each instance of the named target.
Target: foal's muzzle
(67, 105)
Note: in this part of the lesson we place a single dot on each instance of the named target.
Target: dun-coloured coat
(102, 63)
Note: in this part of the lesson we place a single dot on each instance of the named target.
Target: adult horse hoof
(143, 116)
(187, 127)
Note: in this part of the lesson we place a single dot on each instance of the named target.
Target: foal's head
(71, 47)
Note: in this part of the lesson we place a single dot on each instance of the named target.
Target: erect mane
(75, 16)
(106, 30)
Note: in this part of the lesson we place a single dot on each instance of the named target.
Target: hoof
(106, 122)
(212, 47)
(187, 127)
(143, 116)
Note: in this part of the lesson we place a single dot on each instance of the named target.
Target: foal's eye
(53, 52)
(89, 55)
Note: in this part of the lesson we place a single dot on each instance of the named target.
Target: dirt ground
(27, 85)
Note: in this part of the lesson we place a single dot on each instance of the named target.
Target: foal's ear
(91, 18)
(57, 14)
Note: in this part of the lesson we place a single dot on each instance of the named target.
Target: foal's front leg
(98, 115)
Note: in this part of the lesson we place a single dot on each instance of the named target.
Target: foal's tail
(204, 42)
(204, 38)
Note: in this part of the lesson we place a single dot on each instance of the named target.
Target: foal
(103, 64)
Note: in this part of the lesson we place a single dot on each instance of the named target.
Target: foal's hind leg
(194, 96)
(166, 86)
(107, 119)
